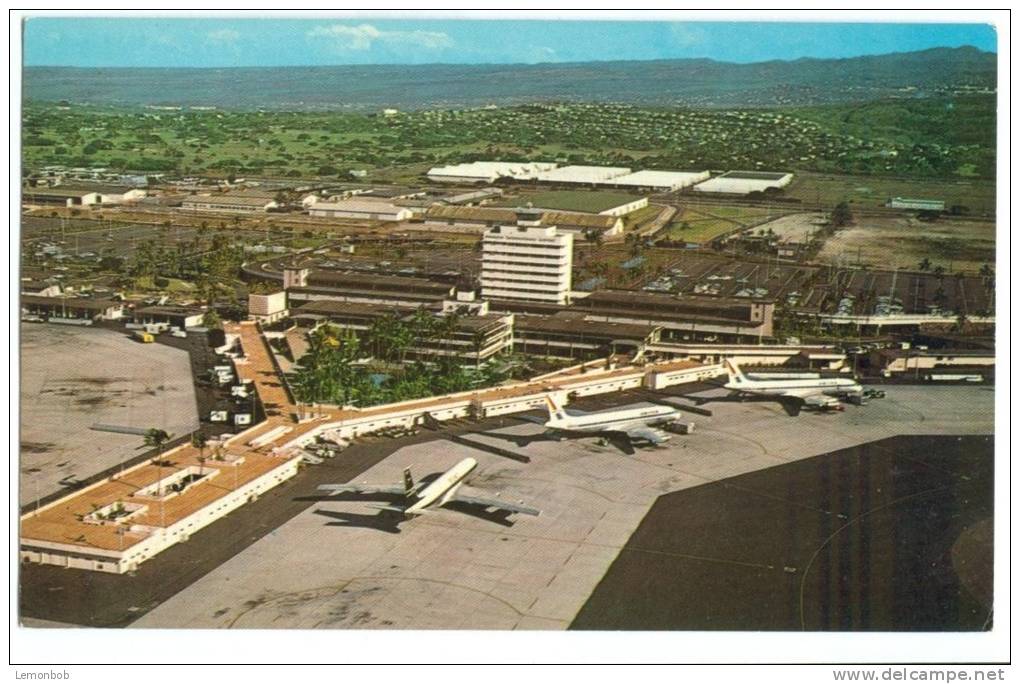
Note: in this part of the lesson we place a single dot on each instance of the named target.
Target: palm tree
(157, 438)
(199, 441)
(925, 264)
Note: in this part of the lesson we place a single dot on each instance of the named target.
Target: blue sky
(225, 42)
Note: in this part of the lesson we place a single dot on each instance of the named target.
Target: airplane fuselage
(444, 486)
(777, 387)
(614, 420)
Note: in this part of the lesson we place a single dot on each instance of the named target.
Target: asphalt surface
(75, 377)
(96, 599)
(875, 537)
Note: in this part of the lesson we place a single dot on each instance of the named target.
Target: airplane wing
(494, 503)
(648, 433)
(812, 397)
(361, 489)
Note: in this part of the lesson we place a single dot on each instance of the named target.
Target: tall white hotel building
(528, 261)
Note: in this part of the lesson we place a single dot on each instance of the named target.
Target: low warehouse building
(487, 171)
(917, 204)
(934, 364)
(365, 210)
(228, 203)
(71, 308)
(82, 195)
(664, 181)
(582, 175)
(121, 521)
(745, 182)
(181, 317)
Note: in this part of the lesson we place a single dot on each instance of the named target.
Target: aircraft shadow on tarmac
(521, 441)
(381, 521)
(618, 440)
(791, 405)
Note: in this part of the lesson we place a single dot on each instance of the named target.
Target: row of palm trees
(328, 372)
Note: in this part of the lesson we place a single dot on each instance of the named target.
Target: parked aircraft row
(623, 427)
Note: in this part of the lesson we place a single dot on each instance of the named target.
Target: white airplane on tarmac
(816, 392)
(420, 497)
(632, 423)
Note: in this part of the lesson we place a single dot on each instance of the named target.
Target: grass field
(704, 224)
(698, 231)
(873, 192)
(574, 200)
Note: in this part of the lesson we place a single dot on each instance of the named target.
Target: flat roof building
(303, 285)
(174, 316)
(229, 203)
(71, 308)
(682, 317)
(527, 261)
(82, 194)
(659, 180)
(917, 204)
(745, 182)
(582, 175)
(365, 210)
(568, 334)
(487, 171)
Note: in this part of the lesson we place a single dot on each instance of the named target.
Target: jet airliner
(420, 497)
(815, 392)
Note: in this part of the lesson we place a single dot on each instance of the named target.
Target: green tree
(199, 441)
(841, 215)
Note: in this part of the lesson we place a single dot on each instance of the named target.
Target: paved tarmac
(337, 564)
(74, 377)
(887, 536)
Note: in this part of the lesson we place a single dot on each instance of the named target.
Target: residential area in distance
(659, 353)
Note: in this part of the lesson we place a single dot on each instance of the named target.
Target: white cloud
(223, 36)
(342, 37)
(687, 35)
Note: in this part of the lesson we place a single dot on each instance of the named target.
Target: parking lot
(73, 378)
(337, 564)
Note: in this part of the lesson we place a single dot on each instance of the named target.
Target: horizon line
(522, 64)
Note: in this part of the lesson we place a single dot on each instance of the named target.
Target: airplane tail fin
(408, 482)
(733, 371)
(556, 411)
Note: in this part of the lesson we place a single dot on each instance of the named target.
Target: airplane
(421, 497)
(631, 424)
(817, 392)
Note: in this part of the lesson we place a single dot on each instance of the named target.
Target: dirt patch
(904, 242)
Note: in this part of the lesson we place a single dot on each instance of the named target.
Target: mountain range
(683, 82)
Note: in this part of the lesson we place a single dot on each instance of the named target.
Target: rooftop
(508, 216)
(64, 522)
(574, 324)
(362, 206)
(236, 200)
(660, 179)
(71, 302)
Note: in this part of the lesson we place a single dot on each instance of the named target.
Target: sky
(230, 42)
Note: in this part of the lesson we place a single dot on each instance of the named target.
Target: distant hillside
(691, 82)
